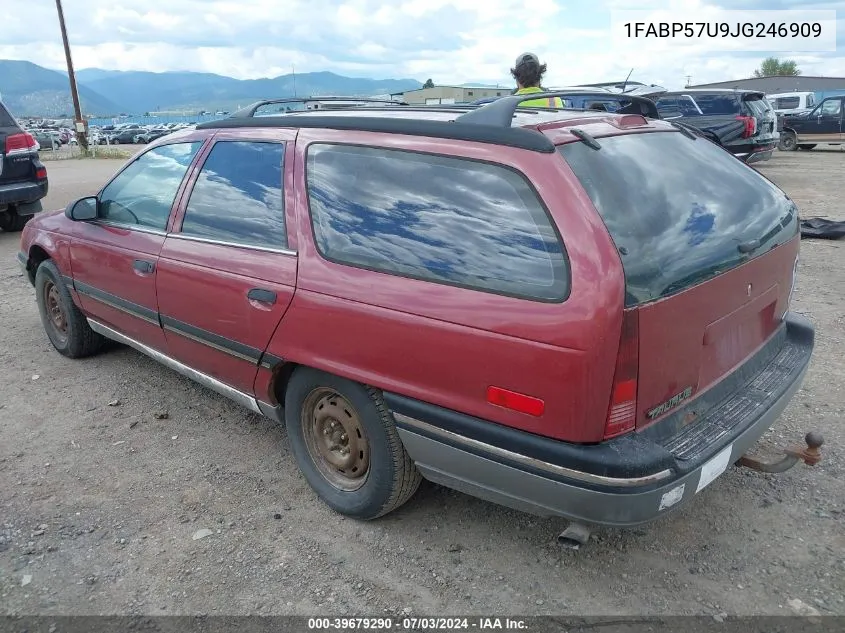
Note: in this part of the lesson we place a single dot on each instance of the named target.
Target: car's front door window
(831, 108)
(143, 193)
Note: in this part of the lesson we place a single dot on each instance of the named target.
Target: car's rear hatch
(16, 151)
(708, 247)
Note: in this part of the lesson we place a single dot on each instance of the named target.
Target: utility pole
(79, 123)
(293, 70)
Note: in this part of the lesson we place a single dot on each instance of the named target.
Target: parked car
(123, 135)
(577, 314)
(23, 177)
(147, 136)
(787, 103)
(46, 139)
(741, 121)
(823, 124)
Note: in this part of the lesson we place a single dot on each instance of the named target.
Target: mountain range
(31, 90)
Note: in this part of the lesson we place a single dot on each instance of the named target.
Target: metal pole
(81, 134)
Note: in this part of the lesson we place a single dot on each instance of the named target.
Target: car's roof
(712, 91)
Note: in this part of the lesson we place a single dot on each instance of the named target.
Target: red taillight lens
(23, 142)
(41, 173)
(515, 401)
(622, 413)
(750, 126)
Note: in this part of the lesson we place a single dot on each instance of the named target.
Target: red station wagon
(571, 313)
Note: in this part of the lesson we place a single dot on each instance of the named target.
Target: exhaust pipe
(574, 536)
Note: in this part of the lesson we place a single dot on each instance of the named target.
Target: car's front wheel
(788, 141)
(66, 327)
(346, 444)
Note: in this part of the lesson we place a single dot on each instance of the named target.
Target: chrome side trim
(518, 458)
(129, 227)
(197, 339)
(206, 240)
(204, 379)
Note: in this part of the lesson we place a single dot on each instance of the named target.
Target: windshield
(679, 210)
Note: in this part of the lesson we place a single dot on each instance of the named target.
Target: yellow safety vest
(547, 102)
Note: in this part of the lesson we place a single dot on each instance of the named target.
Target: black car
(823, 124)
(741, 121)
(23, 177)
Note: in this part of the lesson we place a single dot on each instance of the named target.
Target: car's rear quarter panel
(445, 345)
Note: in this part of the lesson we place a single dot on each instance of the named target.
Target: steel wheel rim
(55, 312)
(335, 439)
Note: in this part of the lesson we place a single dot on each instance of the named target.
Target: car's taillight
(41, 173)
(20, 143)
(622, 413)
(750, 125)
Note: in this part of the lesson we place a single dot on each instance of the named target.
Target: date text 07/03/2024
(417, 624)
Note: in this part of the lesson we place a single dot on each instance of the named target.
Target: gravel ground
(112, 466)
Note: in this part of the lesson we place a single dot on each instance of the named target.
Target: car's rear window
(787, 103)
(678, 209)
(757, 106)
(713, 104)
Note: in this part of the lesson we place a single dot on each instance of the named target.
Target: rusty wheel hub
(335, 439)
(55, 312)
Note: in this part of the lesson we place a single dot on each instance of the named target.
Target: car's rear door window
(679, 209)
(238, 196)
(448, 220)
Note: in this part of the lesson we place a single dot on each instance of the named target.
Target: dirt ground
(101, 494)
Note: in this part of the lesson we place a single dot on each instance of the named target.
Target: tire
(115, 141)
(375, 475)
(806, 148)
(788, 141)
(75, 339)
(11, 222)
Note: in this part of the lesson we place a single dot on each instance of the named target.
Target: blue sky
(453, 41)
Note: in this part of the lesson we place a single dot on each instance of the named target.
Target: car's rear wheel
(11, 222)
(346, 445)
(65, 325)
(115, 141)
(788, 141)
(806, 147)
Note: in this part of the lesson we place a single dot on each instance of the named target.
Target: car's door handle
(261, 295)
(142, 266)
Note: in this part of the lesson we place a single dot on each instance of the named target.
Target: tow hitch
(810, 455)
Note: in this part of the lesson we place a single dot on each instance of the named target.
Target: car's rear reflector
(515, 401)
(622, 413)
(20, 143)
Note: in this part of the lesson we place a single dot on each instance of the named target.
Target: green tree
(773, 67)
(428, 84)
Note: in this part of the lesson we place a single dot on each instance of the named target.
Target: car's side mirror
(83, 209)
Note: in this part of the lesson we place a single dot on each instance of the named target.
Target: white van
(792, 102)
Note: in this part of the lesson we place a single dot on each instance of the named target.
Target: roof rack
(500, 113)
(489, 123)
(336, 103)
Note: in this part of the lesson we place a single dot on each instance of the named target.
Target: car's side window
(143, 193)
(448, 220)
(238, 196)
(832, 107)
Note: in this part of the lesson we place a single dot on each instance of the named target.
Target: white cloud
(451, 41)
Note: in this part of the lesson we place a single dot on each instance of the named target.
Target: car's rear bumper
(755, 153)
(22, 192)
(626, 481)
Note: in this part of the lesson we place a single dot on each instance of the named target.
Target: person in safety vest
(528, 72)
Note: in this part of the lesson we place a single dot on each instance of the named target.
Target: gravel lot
(110, 466)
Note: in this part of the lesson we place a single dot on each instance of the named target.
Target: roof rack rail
(336, 101)
(500, 113)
